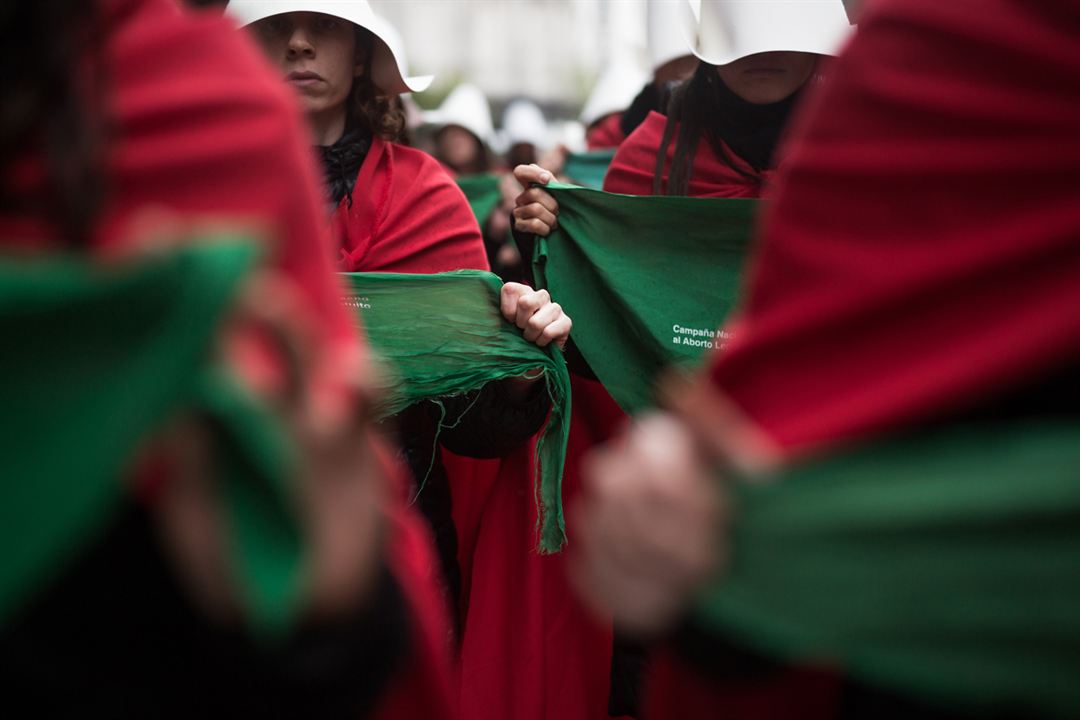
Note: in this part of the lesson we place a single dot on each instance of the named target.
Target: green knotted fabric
(588, 168)
(443, 335)
(944, 565)
(482, 192)
(95, 360)
(647, 280)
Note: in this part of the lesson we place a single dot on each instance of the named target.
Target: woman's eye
(327, 24)
(272, 26)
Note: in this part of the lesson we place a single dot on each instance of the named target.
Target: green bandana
(944, 565)
(483, 193)
(647, 280)
(588, 169)
(443, 335)
(95, 360)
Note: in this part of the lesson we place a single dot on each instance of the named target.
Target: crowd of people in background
(915, 266)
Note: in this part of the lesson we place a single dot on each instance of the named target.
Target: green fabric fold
(647, 280)
(443, 335)
(944, 564)
(96, 360)
(588, 168)
(483, 194)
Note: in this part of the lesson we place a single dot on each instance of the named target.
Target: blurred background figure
(463, 131)
(524, 135)
(613, 93)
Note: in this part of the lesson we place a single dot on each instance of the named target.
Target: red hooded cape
(922, 252)
(205, 132)
(634, 166)
(605, 133)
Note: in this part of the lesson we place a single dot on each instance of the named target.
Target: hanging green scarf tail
(945, 565)
(444, 335)
(95, 361)
(647, 280)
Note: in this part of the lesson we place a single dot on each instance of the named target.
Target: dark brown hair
(692, 108)
(53, 108)
(376, 113)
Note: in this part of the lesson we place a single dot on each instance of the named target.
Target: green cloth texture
(443, 335)
(945, 565)
(96, 359)
(483, 193)
(647, 280)
(588, 168)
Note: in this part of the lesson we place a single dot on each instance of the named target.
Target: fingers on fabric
(340, 486)
(529, 174)
(528, 304)
(652, 526)
(536, 212)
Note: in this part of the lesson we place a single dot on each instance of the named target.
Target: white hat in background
(523, 122)
(388, 66)
(466, 107)
(616, 89)
(668, 31)
(728, 30)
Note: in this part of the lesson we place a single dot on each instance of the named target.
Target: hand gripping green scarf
(443, 335)
(95, 360)
(647, 280)
(945, 564)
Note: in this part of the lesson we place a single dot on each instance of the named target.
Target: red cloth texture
(424, 689)
(634, 166)
(679, 691)
(529, 649)
(407, 216)
(921, 253)
(605, 133)
(204, 131)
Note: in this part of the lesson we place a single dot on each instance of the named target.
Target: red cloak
(634, 166)
(408, 216)
(922, 250)
(605, 133)
(204, 131)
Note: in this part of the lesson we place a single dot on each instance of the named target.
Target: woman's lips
(304, 77)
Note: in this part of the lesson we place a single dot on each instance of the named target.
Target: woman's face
(317, 55)
(768, 77)
(457, 147)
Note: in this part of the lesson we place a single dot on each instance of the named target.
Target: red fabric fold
(921, 253)
(634, 166)
(407, 216)
(605, 133)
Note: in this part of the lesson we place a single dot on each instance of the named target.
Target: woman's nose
(300, 44)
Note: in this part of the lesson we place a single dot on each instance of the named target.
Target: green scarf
(443, 335)
(944, 564)
(647, 280)
(95, 360)
(483, 193)
(589, 168)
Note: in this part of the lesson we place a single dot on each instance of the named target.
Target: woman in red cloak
(133, 116)
(862, 320)
(719, 140)
(394, 209)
